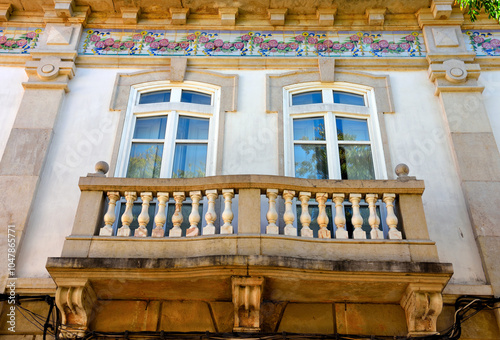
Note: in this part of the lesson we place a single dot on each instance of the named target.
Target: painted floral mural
(18, 40)
(484, 43)
(267, 44)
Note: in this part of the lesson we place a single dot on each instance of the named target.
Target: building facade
(249, 169)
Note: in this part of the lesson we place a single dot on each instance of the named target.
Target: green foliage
(146, 164)
(474, 7)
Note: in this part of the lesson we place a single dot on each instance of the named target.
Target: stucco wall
(83, 134)
(86, 129)
(491, 82)
(11, 93)
(417, 137)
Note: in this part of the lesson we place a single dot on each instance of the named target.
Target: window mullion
(169, 146)
(332, 148)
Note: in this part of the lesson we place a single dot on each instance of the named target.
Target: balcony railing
(251, 215)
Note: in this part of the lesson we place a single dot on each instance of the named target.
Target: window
(332, 133)
(169, 132)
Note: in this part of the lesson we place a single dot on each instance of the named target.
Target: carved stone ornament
(48, 68)
(422, 307)
(76, 304)
(456, 71)
(247, 296)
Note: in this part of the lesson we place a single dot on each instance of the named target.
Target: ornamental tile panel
(18, 40)
(252, 44)
(483, 43)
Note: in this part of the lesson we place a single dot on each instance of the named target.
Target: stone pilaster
(477, 158)
(49, 71)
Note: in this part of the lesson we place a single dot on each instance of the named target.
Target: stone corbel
(179, 15)
(375, 16)
(247, 296)
(228, 16)
(76, 303)
(130, 15)
(326, 16)
(422, 305)
(5, 12)
(441, 9)
(277, 16)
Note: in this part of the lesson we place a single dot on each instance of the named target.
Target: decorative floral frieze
(483, 43)
(18, 40)
(254, 44)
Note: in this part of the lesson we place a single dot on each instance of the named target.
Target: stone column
(49, 71)
(476, 155)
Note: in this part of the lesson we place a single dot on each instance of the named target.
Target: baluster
(288, 216)
(305, 218)
(392, 220)
(160, 217)
(322, 219)
(177, 218)
(194, 216)
(357, 220)
(110, 216)
(339, 216)
(210, 216)
(374, 220)
(127, 216)
(143, 218)
(272, 214)
(227, 215)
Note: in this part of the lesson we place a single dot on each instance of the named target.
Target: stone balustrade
(251, 214)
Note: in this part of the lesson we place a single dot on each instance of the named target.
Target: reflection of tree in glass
(190, 172)
(316, 164)
(146, 164)
(356, 161)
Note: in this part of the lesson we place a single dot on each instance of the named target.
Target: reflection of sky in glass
(192, 128)
(356, 162)
(189, 160)
(196, 97)
(309, 129)
(310, 161)
(352, 129)
(348, 98)
(150, 128)
(313, 97)
(155, 97)
(145, 160)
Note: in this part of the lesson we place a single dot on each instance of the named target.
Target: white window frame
(173, 110)
(329, 111)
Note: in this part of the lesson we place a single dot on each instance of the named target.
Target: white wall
(491, 82)
(83, 135)
(11, 92)
(417, 137)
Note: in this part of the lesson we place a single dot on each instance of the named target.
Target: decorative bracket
(422, 305)
(441, 9)
(326, 16)
(50, 67)
(130, 15)
(179, 15)
(277, 16)
(228, 16)
(76, 304)
(454, 75)
(5, 12)
(247, 296)
(375, 16)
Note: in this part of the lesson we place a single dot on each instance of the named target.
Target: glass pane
(150, 128)
(356, 162)
(196, 97)
(314, 211)
(348, 98)
(145, 161)
(313, 97)
(189, 160)
(186, 210)
(352, 129)
(365, 214)
(136, 211)
(309, 129)
(192, 128)
(155, 97)
(310, 161)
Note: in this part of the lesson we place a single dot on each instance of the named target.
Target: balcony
(300, 240)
